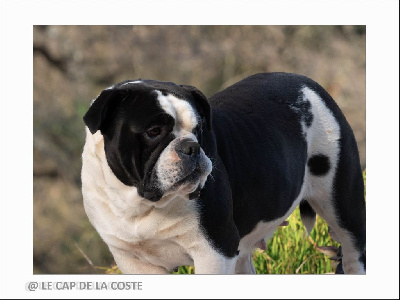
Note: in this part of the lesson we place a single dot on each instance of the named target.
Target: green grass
(293, 251)
(290, 251)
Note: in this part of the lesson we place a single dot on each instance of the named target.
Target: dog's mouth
(177, 173)
(190, 184)
(196, 193)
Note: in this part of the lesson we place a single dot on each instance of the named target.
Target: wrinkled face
(152, 136)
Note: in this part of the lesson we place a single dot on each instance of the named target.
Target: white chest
(161, 233)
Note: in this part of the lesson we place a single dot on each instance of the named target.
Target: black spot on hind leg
(319, 164)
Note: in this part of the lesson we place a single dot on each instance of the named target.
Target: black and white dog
(172, 178)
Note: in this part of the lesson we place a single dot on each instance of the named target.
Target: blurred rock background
(72, 64)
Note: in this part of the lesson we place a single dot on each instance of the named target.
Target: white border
(382, 20)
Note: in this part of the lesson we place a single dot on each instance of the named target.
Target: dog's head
(153, 133)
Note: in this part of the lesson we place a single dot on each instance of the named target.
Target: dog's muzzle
(189, 149)
(182, 168)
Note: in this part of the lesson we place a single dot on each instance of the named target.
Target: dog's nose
(188, 147)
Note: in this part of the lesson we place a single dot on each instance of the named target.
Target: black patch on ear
(101, 107)
(319, 164)
(202, 103)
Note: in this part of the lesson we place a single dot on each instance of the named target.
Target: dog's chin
(186, 186)
(189, 186)
(189, 179)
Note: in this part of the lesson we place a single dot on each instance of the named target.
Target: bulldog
(171, 178)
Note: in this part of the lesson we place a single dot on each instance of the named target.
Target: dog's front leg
(212, 262)
(128, 263)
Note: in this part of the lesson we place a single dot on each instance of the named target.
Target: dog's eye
(153, 132)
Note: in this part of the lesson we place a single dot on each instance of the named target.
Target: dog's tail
(307, 215)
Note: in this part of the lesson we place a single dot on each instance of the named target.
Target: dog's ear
(202, 103)
(102, 106)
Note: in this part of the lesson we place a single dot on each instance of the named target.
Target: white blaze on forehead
(166, 104)
(180, 110)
